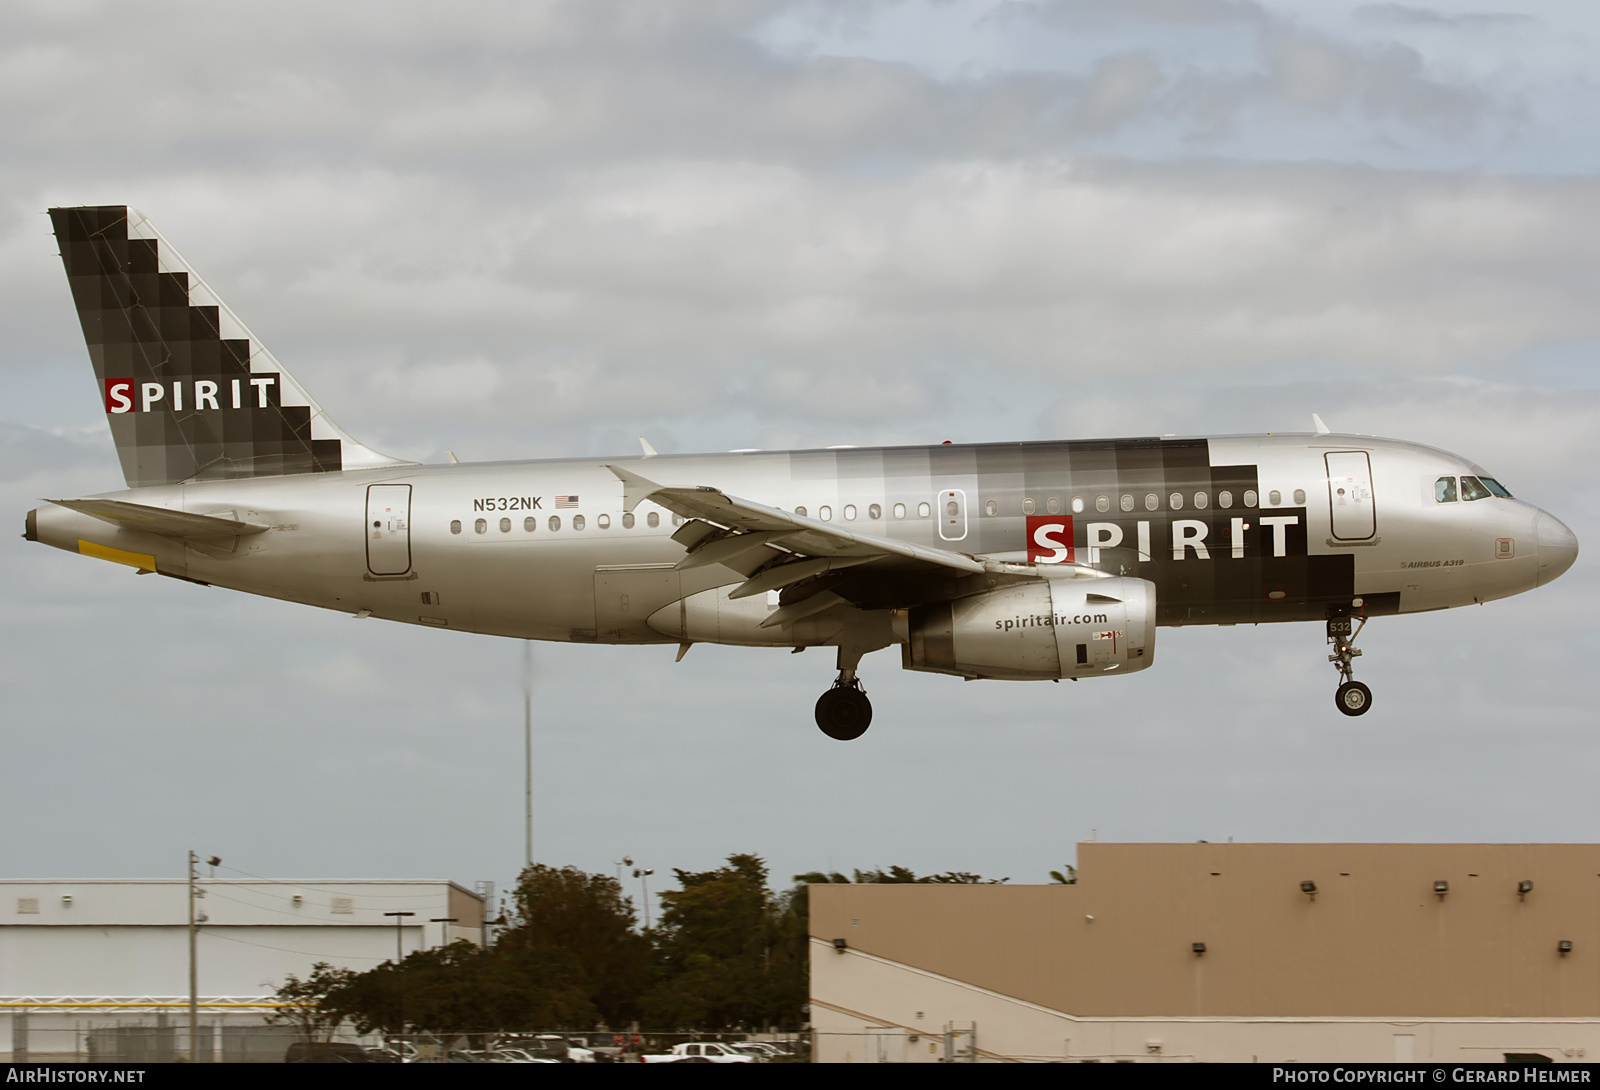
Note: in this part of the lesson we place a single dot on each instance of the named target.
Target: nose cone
(1558, 547)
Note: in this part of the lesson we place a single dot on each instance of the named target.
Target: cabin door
(1350, 495)
(389, 529)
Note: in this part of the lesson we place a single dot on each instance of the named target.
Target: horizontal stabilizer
(160, 520)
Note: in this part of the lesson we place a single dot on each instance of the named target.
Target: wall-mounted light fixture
(1198, 948)
(1441, 887)
(1564, 947)
(1309, 888)
(840, 945)
(1524, 887)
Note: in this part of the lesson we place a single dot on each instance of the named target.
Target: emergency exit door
(389, 529)
(952, 514)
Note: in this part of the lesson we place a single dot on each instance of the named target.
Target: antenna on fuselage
(1322, 429)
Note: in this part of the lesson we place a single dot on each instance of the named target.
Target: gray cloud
(541, 229)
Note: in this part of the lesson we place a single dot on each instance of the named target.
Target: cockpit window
(1471, 489)
(1444, 490)
(1496, 487)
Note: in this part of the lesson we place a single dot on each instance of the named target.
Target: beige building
(1223, 952)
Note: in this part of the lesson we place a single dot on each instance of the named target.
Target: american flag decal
(566, 501)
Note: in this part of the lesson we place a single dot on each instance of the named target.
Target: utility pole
(196, 918)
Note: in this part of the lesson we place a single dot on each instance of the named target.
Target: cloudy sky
(536, 229)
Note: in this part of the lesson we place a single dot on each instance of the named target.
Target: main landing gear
(844, 712)
(1352, 697)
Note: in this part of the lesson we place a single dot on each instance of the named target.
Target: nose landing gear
(844, 712)
(1352, 697)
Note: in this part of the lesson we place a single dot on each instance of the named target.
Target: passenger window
(801, 511)
(1274, 498)
(1102, 503)
(923, 510)
(653, 519)
(481, 526)
(850, 512)
(991, 508)
(627, 520)
(899, 510)
(825, 513)
(874, 512)
(1175, 501)
(1249, 497)
(1300, 496)
(1224, 499)
(1444, 490)
(1126, 502)
(1052, 506)
(1077, 505)
(455, 526)
(577, 522)
(1201, 500)
(1152, 501)
(1471, 489)
(1027, 505)
(555, 522)
(604, 522)
(530, 524)
(505, 526)
(677, 520)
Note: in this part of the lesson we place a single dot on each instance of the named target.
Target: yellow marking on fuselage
(117, 556)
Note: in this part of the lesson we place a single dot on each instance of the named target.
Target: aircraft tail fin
(189, 392)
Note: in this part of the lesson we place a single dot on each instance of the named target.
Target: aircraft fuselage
(1239, 529)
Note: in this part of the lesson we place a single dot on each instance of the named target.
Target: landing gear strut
(1352, 697)
(844, 712)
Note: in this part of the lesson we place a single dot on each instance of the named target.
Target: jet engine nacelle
(1052, 628)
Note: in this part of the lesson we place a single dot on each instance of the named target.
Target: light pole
(399, 922)
(643, 874)
(400, 974)
(444, 932)
(527, 745)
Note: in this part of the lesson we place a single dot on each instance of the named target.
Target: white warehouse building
(99, 968)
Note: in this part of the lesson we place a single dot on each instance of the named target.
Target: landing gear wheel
(844, 712)
(1353, 698)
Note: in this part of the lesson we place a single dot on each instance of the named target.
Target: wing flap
(796, 533)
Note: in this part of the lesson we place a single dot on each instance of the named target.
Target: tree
(304, 1003)
(466, 989)
(587, 917)
(731, 954)
(897, 875)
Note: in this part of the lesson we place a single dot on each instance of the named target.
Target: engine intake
(1052, 628)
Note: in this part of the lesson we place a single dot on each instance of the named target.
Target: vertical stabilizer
(189, 392)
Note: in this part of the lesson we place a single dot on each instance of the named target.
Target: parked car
(328, 1052)
(713, 1052)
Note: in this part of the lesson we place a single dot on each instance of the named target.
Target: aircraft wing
(160, 520)
(775, 549)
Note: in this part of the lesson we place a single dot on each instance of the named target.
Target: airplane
(1011, 561)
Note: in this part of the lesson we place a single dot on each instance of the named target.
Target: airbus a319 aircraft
(1012, 561)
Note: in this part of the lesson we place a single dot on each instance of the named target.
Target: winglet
(1322, 429)
(649, 451)
(635, 489)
